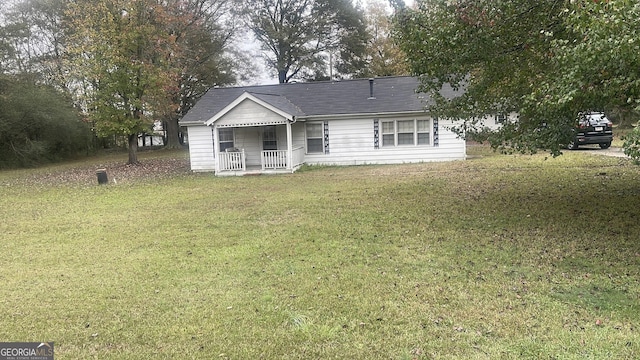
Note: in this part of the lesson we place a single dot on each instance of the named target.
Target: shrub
(38, 125)
(631, 145)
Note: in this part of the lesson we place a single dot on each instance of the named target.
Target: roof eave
(192, 123)
(363, 115)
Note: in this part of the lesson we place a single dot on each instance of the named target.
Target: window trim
(416, 133)
(232, 141)
(404, 132)
(320, 138)
(270, 142)
(426, 131)
(382, 127)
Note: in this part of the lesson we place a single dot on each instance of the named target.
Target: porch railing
(233, 161)
(277, 159)
(298, 156)
(274, 159)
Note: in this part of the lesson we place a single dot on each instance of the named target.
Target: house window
(269, 141)
(315, 138)
(388, 133)
(423, 132)
(225, 138)
(406, 132)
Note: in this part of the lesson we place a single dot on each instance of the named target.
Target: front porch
(234, 162)
(252, 136)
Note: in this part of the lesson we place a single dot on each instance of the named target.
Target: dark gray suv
(592, 128)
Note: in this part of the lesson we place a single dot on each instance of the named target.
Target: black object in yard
(102, 176)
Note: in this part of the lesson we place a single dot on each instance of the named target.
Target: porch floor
(256, 170)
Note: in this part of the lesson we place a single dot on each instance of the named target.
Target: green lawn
(497, 257)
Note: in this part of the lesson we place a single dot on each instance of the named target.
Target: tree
(34, 29)
(350, 44)
(545, 60)
(602, 63)
(610, 42)
(121, 53)
(204, 57)
(384, 56)
(297, 36)
(36, 39)
(38, 124)
(5, 50)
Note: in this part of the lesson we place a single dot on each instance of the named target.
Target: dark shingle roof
(280, 102)
(391, 95)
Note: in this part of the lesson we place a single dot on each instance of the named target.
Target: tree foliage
(544, 60)
(384, 56)
(125, 63)
(302, 38)
(121, 53)
(38, 124)
(35, 35)
(204, 54)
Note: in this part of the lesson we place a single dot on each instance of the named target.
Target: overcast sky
(365, 2)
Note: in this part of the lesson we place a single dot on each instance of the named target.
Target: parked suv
(592, 128)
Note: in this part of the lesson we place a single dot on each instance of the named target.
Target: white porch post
(216, 148)
(289, 146)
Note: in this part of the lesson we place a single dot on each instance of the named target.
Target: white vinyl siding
(352, 143)
(248, 114)
(201, 148)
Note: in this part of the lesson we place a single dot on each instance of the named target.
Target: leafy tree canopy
(204, 55)
(125, 63)
(120, 50)
(544, 60)
(299, 36)
(384, 56)
(37, 124)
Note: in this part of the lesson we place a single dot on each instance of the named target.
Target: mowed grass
(497, 257)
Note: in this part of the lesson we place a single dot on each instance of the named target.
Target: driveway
(612, 151)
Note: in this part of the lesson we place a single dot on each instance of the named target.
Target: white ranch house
(277, 128)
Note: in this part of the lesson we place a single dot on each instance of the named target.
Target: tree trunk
(133, 149)
(624, 117)
(172, 134)
(282, 76)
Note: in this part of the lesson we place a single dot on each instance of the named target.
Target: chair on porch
(235, 160)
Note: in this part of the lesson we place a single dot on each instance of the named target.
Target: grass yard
(497, 257)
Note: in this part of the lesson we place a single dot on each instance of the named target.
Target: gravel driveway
(612, 151)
